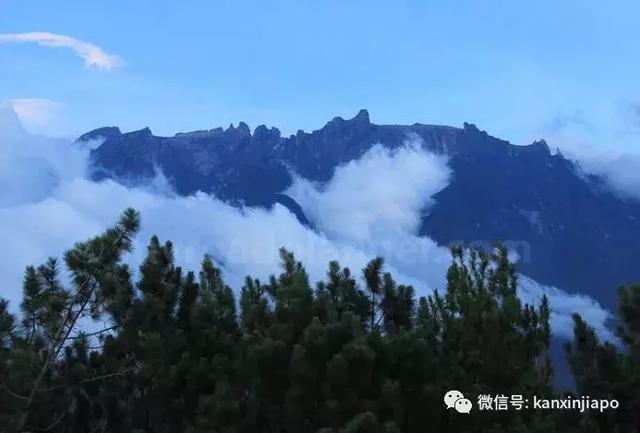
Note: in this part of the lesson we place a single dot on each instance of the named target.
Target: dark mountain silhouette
(571, 230)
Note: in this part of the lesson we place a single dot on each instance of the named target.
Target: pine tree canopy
(181, 351)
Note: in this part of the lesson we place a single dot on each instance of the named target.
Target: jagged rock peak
(244, 128)
(104, 133)
(262, 131)
(362, 118)
(141, 132)
(540, 146)
(470, 127)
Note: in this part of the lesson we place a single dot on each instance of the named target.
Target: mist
(620, 170)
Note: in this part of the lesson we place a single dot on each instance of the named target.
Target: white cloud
(92, 55)
(384, 190)
(370, 207)
(36, 114)
(621, 170)
(376, 202)
(31, 166)
(595, 143)
(563, 306)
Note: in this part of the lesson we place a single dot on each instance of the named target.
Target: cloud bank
(621, 170)
(36, 114)
(370, 207)
(93, 56)
(386, 190)
(576, 135)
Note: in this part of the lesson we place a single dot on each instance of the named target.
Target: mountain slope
(570, 230)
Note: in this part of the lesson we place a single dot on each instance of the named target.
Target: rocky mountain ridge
(571, 230)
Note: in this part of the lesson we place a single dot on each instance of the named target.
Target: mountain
(570, 229)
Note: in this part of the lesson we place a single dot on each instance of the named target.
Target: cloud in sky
(359, 206)
(47, 203)
(585, 140)
(93, 56)
(619, 169)
(36, 114)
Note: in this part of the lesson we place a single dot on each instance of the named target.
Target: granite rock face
(569, 229)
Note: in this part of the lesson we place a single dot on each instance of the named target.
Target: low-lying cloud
(370, 207)
(36, 114)
(93, 56)
(385, 190)
(576, 135)
(31, 166)
(621, 171)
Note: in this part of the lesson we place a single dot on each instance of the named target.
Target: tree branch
(91, 334)
(59, 340)
(94, 378)
(11, 393)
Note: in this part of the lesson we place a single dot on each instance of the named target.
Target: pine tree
(603, 370)
(177, 353)
(372, 275)
(52, 315)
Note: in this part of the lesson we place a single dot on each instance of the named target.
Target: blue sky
(567, 71)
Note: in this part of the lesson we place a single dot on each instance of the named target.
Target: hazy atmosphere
(382, 135)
